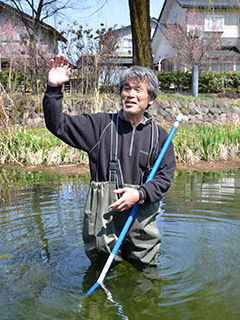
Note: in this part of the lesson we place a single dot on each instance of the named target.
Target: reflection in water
(110, 298)
(200, 251)
(44, 272)
(136, 297)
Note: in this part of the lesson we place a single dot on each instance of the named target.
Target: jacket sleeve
(157, 188)
(80, 131)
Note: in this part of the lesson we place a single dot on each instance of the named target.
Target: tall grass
(210, 142)
(29, 146)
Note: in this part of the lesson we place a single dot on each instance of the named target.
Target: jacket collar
(147, 116)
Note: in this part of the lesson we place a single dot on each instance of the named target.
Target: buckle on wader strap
(113, 166)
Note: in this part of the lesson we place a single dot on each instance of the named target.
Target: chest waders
(101, 228)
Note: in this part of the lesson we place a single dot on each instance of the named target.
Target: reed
(210, 142)
(30, 146)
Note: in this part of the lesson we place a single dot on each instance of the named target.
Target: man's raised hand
(59, 71)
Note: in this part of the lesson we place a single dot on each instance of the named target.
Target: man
(121, 150)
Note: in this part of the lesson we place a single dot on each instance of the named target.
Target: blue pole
(134, 209)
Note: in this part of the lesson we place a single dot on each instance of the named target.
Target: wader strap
(152, 153)
(115, 171)
(154, 144)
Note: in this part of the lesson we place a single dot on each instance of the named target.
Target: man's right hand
(59, 71)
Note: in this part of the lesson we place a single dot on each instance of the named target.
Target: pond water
(44, 273)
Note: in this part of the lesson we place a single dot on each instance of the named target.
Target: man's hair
(141, 73)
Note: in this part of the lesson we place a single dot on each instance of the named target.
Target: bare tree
(93, 57)
(39, 11)
(16, 49)
(141, 32)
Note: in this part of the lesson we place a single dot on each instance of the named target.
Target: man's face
(134, 97)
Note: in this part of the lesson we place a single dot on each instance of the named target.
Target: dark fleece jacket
(92, 133)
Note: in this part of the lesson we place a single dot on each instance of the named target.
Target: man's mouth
(130, 103)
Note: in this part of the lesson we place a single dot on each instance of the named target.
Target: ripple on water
(44, 271)
(199, 252)
(42, 254)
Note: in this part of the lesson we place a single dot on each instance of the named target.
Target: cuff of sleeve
(54, 89)
(143, 193)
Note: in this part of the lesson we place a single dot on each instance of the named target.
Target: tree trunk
(141, 32)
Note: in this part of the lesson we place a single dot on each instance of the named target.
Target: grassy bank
(215, 142)
(36, 146)
(29, 146)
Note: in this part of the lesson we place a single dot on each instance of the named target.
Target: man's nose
(132, 92)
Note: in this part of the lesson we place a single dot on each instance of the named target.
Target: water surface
(44, 272)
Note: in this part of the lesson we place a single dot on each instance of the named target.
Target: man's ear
(150, 102)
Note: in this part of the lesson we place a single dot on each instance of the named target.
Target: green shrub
(4, 77)
(208, 81)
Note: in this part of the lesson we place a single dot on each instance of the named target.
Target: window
(214, 23)
(237, 66)
(239, 27)
(127, 43)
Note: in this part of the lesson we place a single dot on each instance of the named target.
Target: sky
(109, 12)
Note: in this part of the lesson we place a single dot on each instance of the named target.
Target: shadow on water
(44, 272)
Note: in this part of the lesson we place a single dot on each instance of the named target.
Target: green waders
(101, 228)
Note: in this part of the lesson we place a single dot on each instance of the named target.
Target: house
(124, 50)
(9, 16)
(219, 18)
(117, 52)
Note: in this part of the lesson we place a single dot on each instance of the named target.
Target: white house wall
(172, 12)
(153, 24)
(231, 24)
(176, 14)
(124, 33)
(161, 48)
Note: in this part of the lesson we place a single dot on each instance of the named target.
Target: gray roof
(207, 3)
